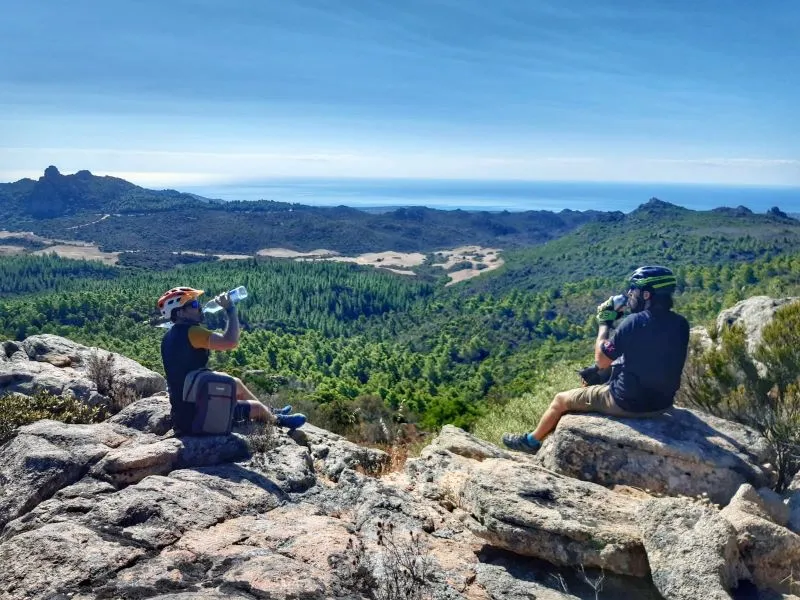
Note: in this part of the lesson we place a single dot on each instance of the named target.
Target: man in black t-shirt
(647, 352)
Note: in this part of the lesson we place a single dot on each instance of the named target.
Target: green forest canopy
(342, 332)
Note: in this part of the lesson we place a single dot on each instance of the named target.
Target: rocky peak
(51, 172)
(655, 207)
(777, 212)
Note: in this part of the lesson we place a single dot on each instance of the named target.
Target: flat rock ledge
(520, 507)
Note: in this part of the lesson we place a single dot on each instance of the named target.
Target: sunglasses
(192, 304)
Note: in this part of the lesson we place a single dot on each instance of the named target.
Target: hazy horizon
(196, 93)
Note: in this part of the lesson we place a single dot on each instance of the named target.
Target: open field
(85, 252)
(462, 263)
(480, 259)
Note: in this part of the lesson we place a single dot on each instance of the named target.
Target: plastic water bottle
(236, 294)
(619, 301)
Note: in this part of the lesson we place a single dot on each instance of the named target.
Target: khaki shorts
(597, 398)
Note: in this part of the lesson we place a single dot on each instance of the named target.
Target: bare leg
(258, 412)
(550, 417)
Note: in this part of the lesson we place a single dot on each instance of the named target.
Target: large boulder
(771, 552)
(683, 452)
(691, 549)
(752, 314)
(58, 365)
(47, 456)
(517, 506)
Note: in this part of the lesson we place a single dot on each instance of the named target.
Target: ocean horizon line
(493, 195)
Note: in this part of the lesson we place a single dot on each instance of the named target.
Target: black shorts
(242, 411)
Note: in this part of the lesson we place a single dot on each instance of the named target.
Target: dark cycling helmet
(658, 280)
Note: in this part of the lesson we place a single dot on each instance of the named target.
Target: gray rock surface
(681, 453)
(57, 365)
(45, 457)
(337, 453)
(793, 504)
(691, 549)
(148, 415)
(531, 511)
(770, 552)
(753, 314)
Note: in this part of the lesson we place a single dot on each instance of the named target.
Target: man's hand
(224, 300)
(606, 313)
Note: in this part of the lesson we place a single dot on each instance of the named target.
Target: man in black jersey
(186, 347)
(647, 350)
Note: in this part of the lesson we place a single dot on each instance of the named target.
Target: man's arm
(600, 358)
(229, 339)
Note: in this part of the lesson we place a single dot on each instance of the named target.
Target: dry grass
(522, 414)
(401, 569)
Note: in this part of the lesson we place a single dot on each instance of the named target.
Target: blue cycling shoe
(282, 411)
(291, 421)
(522, 442)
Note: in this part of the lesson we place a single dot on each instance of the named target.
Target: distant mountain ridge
(143, 220)
(66, 206)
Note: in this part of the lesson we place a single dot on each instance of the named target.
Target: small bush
(122, 395)
(100, 369)
(260, 437)
(17, 410)
(401, 570)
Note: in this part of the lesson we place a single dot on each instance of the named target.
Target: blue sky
(200, 92)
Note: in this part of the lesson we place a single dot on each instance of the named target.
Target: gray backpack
(214, 398)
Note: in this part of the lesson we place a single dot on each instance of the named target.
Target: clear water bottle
(619, 301)
(236, 294)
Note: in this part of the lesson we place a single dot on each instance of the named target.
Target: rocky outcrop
(111, 511)
(122, 510)
(57, 365)
(691, 549)
(752, 314)
(771, 552)
(684, 452)
(517, 506)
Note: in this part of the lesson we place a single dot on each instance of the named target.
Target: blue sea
(502, 195)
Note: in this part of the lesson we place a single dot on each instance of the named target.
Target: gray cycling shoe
(522, 442)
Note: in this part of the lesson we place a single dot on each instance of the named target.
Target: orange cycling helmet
(176, 298)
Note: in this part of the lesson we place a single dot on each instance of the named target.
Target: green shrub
(17, 410)
(726, 381)
(461, 266)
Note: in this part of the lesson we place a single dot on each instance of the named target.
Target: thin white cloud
(732, 162)
(174, 168)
